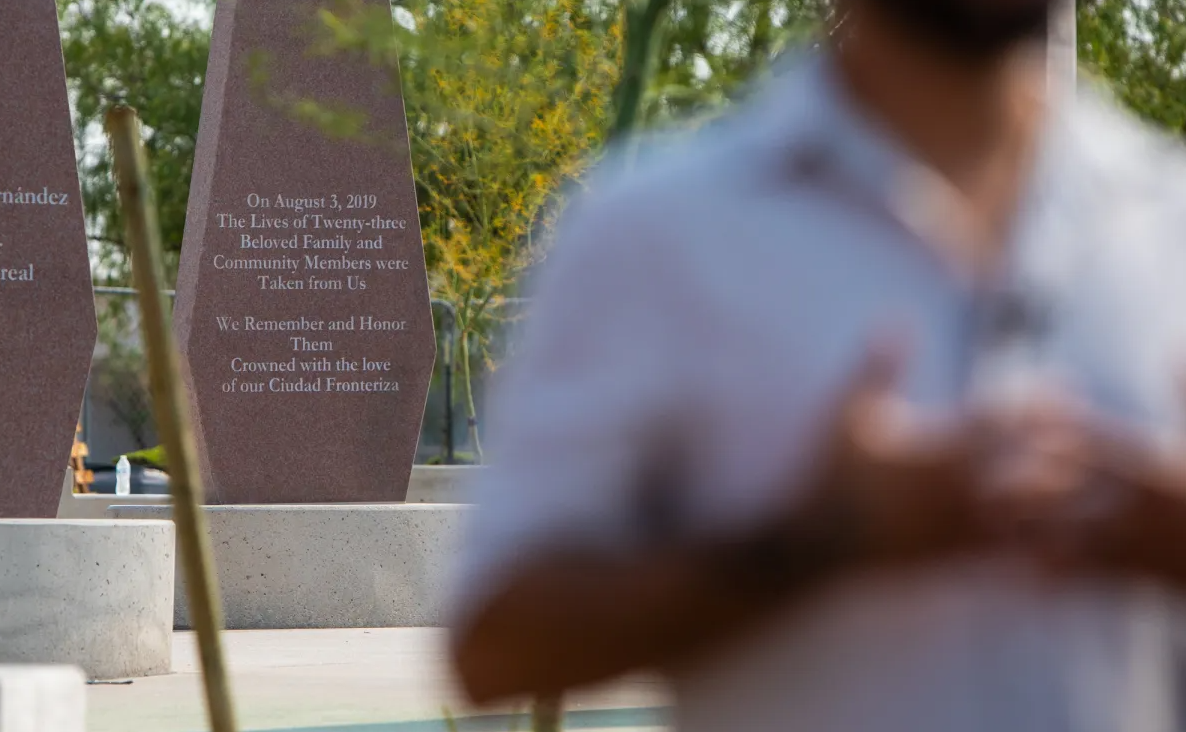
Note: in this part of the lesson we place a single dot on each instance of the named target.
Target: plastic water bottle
(123, 477)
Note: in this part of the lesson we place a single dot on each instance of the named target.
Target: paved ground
(384, 680)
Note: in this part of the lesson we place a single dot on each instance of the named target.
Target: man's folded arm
(566, 620)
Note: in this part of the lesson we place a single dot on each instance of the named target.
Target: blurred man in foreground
(859, 412)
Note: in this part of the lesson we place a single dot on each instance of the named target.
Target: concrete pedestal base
(95, 594)
(42, 699)
(441, 483)
(326, 566)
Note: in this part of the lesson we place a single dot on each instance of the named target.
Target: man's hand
(1091, 496)
(1128, 516)
(898, 485)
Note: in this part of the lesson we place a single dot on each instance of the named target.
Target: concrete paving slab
(354, 680)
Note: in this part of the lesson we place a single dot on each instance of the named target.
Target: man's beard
(972, 29)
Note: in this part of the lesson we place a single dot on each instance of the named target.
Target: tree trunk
(471, 410)
(1062, 56)
(643, 20)
(762, 40)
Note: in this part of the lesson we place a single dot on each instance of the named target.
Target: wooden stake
(547, 714)
(143, 238)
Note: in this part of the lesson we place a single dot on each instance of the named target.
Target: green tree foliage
(506, 102)
(140, 53)
(1139, 48)
(709, 50)
(153, 56)
(507, 99)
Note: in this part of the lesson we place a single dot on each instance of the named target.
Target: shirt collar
(813, 123)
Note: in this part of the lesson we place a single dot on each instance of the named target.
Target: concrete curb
(42, 699)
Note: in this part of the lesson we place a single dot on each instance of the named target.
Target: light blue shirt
(720, 293)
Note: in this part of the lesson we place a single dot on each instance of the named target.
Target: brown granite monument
(302, 301)
(47, 306)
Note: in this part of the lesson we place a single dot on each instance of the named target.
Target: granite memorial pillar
(47, 305)
(302, 309)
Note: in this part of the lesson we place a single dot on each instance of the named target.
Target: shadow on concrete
(587, 719)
